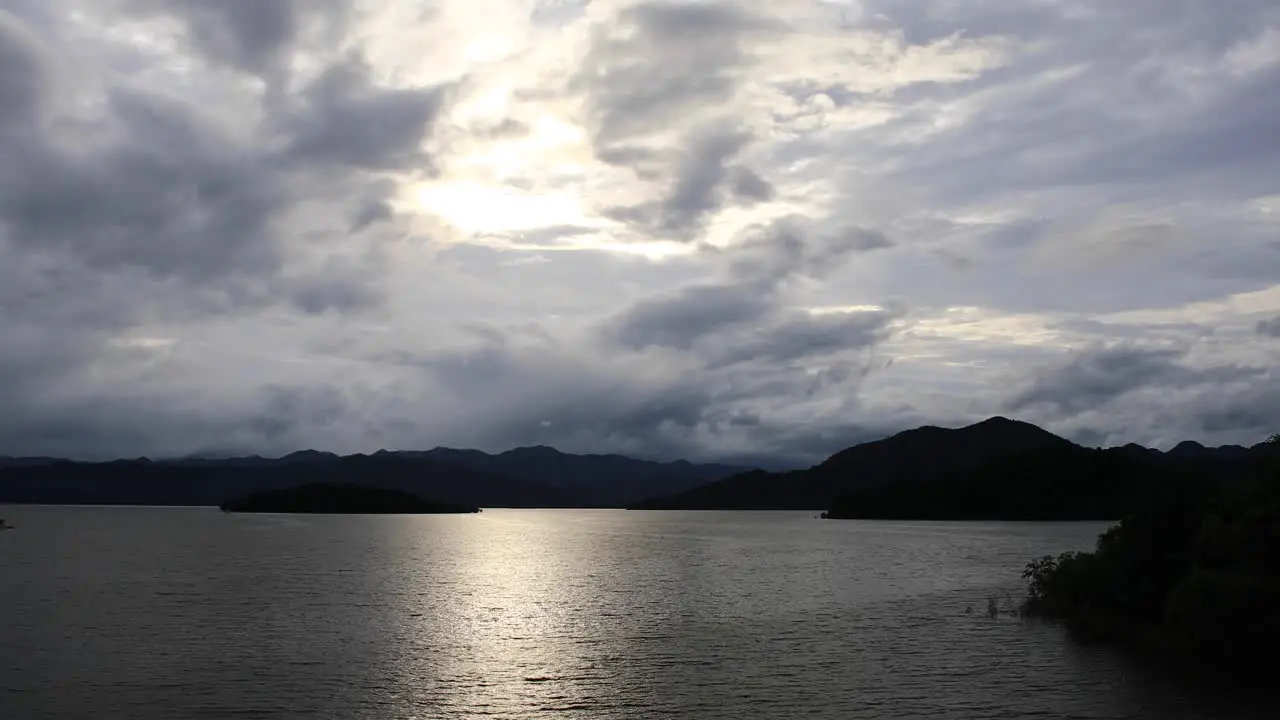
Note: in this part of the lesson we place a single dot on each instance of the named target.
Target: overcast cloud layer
(749, 230)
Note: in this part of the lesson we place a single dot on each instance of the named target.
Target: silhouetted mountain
(6, 461)
(998, 468)
(346, 498)
(995, 468)
(300, 456)
(1190, 449)
(129, 483)
(1140, 452)
(922, 452)
(305, 456)
(525, 477)
(1062, 482)
(606, 480)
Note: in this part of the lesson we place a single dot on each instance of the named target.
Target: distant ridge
(912, 453)
(524, 477)
(995, 469)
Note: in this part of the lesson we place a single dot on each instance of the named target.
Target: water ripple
(187, 613)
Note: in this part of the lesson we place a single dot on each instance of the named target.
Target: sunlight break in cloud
(761, 231)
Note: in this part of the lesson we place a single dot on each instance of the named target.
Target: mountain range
(998, 469)
(524, 477)
(995, 469)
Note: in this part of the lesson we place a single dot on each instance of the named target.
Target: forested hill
(524, 477)
(995, 469)
(1057, 483)
(1191, 577)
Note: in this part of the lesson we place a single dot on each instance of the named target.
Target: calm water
(189, 613)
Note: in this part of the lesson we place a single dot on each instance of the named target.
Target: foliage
(1195, 575)
(1061, 482)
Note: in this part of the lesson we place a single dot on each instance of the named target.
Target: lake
(171, 613)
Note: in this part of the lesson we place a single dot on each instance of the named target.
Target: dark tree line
(1195, 576)
(1061, 482)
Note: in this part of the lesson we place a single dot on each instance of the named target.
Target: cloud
(791, 246)
(654, 64)
(256, 36)
(693, 312)
(1178, 389)
(804, 336)
(346, 119)
(1097, 377)
(202, 207)
(24, 72)
(704, 182)
(1269, 328)
(750, 295)
(142, 206)
(719, 230)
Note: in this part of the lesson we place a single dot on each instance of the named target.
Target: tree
(1197, 576)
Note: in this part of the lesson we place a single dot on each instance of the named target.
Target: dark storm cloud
(672, 372)
(653, 71)
(248, 33)
(698, 178)
(190, 220)
(144, 206)
(1094, 378)
(756, 269)
(793, 245)
(531, 393)
(864, 240)
(374, 210)
(703, 183)
(345, 118)
(748, 185)
(659, 61)
(800, 335)
(278, 418)
(1222, 405)
(597, 401)
(738, 344)
(337, 286)
(1074, 116)
(177, 195)
(682, 318)
(1248, 411)
(284, 410)
(22, 74)
(1168, 25)
(172, 196)
(1269, 328)
(256, 36)
(1204, 143)
(1127, 164)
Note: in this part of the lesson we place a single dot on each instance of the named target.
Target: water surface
(189, 613)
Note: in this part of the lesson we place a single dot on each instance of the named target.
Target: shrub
(1196, 574)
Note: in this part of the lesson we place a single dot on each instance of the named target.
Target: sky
(756, 231)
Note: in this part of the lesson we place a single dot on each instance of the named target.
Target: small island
(330, 498)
